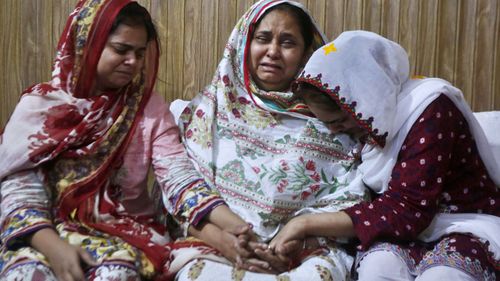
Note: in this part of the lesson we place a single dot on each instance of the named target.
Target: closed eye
(335, 121)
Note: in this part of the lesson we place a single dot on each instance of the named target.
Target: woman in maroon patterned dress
(436, 206)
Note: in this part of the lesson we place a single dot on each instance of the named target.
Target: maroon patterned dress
(438, 170)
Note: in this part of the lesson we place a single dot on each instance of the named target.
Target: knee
(114, 272)
(29, 271)
(444, 273)
(383, 265)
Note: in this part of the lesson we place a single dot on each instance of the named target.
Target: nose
(131, 58)
(273, 50)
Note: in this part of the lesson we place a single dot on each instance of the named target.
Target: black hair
(134, 14)
(307, 28)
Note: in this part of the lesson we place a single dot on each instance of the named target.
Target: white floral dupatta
(267, 164)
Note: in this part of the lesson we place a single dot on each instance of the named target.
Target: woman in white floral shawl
(268, 162)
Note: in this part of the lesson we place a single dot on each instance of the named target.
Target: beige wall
(457, 40)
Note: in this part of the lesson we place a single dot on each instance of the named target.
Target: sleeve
(25, 207)
(411, 201)
(185, 193)
(345, 196)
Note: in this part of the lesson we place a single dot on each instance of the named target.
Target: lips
(125, 73)
(270, 67)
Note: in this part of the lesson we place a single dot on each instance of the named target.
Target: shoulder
(443, 103)
(156, 106)
(443, 109)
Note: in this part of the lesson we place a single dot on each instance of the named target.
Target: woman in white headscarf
(436, 209)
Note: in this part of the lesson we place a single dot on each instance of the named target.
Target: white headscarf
(369, 76)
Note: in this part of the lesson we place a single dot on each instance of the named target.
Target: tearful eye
(262, 38)
(288, 43)
(120, 51)
(140, 55)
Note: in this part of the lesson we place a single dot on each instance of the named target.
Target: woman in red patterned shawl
(75, 155)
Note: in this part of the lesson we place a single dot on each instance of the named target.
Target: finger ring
(270, 248)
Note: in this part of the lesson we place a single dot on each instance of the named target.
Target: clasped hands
(247, 253)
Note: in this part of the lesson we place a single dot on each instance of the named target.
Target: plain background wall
(458, 40)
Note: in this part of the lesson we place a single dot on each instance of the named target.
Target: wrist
(47, 242)
(225, 219)
(305, 225)
(311, 243)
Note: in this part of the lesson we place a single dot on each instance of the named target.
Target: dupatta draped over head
(269, 164)
(76, 137)
(368, 76)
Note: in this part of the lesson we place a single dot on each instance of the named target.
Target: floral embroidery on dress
(234, 172)
(444, 253)
(302, 178)
(199, 128)
(283, 278)
(243, 152)
(38, 272)
(324, 273)
(196, 269)
(24, 221)
(328, 144)
(83, 25)
(404, 255)
(237, 274)
(194, 201)
(244, 110)
(113, 272)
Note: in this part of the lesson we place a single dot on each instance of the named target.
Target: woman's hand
(279, 263)
(233, 226)
(335, 224)
(233, 243)
(295, 230)
(246, 258)
(65, 260)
